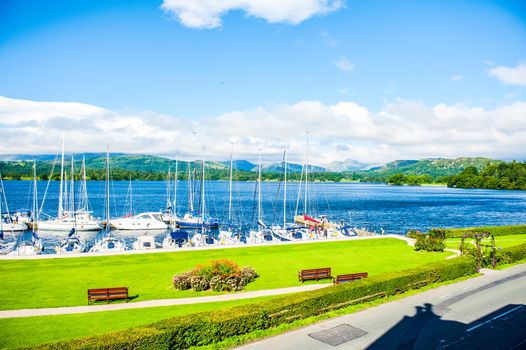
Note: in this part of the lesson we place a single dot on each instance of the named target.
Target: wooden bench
(314, 274)
(350, 277)
(107, 294)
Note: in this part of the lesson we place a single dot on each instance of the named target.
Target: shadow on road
(502, 329)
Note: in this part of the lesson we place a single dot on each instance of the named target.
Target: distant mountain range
(435, 167)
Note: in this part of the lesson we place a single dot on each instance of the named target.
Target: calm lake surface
(373, 206)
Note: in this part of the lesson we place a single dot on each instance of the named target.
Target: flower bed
(219, 276)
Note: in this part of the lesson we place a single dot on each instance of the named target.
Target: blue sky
(137, 58)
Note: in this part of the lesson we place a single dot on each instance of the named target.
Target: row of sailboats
(74, 217)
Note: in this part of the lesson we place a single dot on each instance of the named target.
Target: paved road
(487, 312)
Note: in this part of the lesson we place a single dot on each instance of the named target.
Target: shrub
(511, 254)
(224, 268)
(249, 274)
(211, 327)
(235, 283)
(216, 284)
(182, 281)
(219, 275)
(412, 233)
(199, 283)
(433, 241)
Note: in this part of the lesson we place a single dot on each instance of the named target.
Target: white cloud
(344, 64)
(208, 13)
(456, 77)
(510, 75)
(401, 130)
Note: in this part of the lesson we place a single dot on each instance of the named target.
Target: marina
(376, 208)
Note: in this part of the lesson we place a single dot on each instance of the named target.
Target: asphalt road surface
(486, 312)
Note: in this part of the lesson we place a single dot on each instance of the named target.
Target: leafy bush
(182, 281)
(249, 274)
(433, 241)
(511, 254)
(219, 275)
(235, 283)
(216, 284)
(210, 327)
(199, 283)
(413, 233)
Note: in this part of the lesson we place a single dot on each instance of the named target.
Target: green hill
(437, 168)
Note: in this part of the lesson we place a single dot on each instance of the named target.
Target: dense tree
(504, 176)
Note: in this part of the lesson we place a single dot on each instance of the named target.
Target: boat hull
(130, 224)
(56, 225)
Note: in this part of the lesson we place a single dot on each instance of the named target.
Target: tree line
(503, 176)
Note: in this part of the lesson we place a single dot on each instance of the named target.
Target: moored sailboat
(80, 219)
(108, 243)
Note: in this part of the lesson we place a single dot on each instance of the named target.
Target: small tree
(433, 241)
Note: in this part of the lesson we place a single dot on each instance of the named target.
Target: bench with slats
(314, 274)
(107, 294)
(350, 277)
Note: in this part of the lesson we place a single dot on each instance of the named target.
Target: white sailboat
(71, 244)
(34, 246)
(227, 234)
(81, 219)
(200, 220)
(260, 234)
(286, 232)
(5, 247)
(314, 227)
(7, 220)
(142, 221)
(144, 242)
(108, 243)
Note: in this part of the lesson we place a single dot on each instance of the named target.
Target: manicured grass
(63, 282)
(500, 241)
(30, 331)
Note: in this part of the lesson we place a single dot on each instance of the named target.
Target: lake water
(373, 206)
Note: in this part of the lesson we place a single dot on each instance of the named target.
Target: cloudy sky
(370, 80)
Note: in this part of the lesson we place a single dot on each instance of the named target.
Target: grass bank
(63, 282)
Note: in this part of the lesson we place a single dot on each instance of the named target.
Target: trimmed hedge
(512, 254)
(495, 230)
(211, 327)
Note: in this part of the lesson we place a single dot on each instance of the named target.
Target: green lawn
(30, 331)
(63, 282)
(500, 241)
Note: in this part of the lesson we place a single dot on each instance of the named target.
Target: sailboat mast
(285, 189)
(259, 188)
(35, 197)
(175, 186)
(130, 192)
(306, 176)
(72, 187)
(190, 194)
(84, 186)
(230, 186)
(203, 189)
(60, 199)
(107, 190)
(168, 189)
